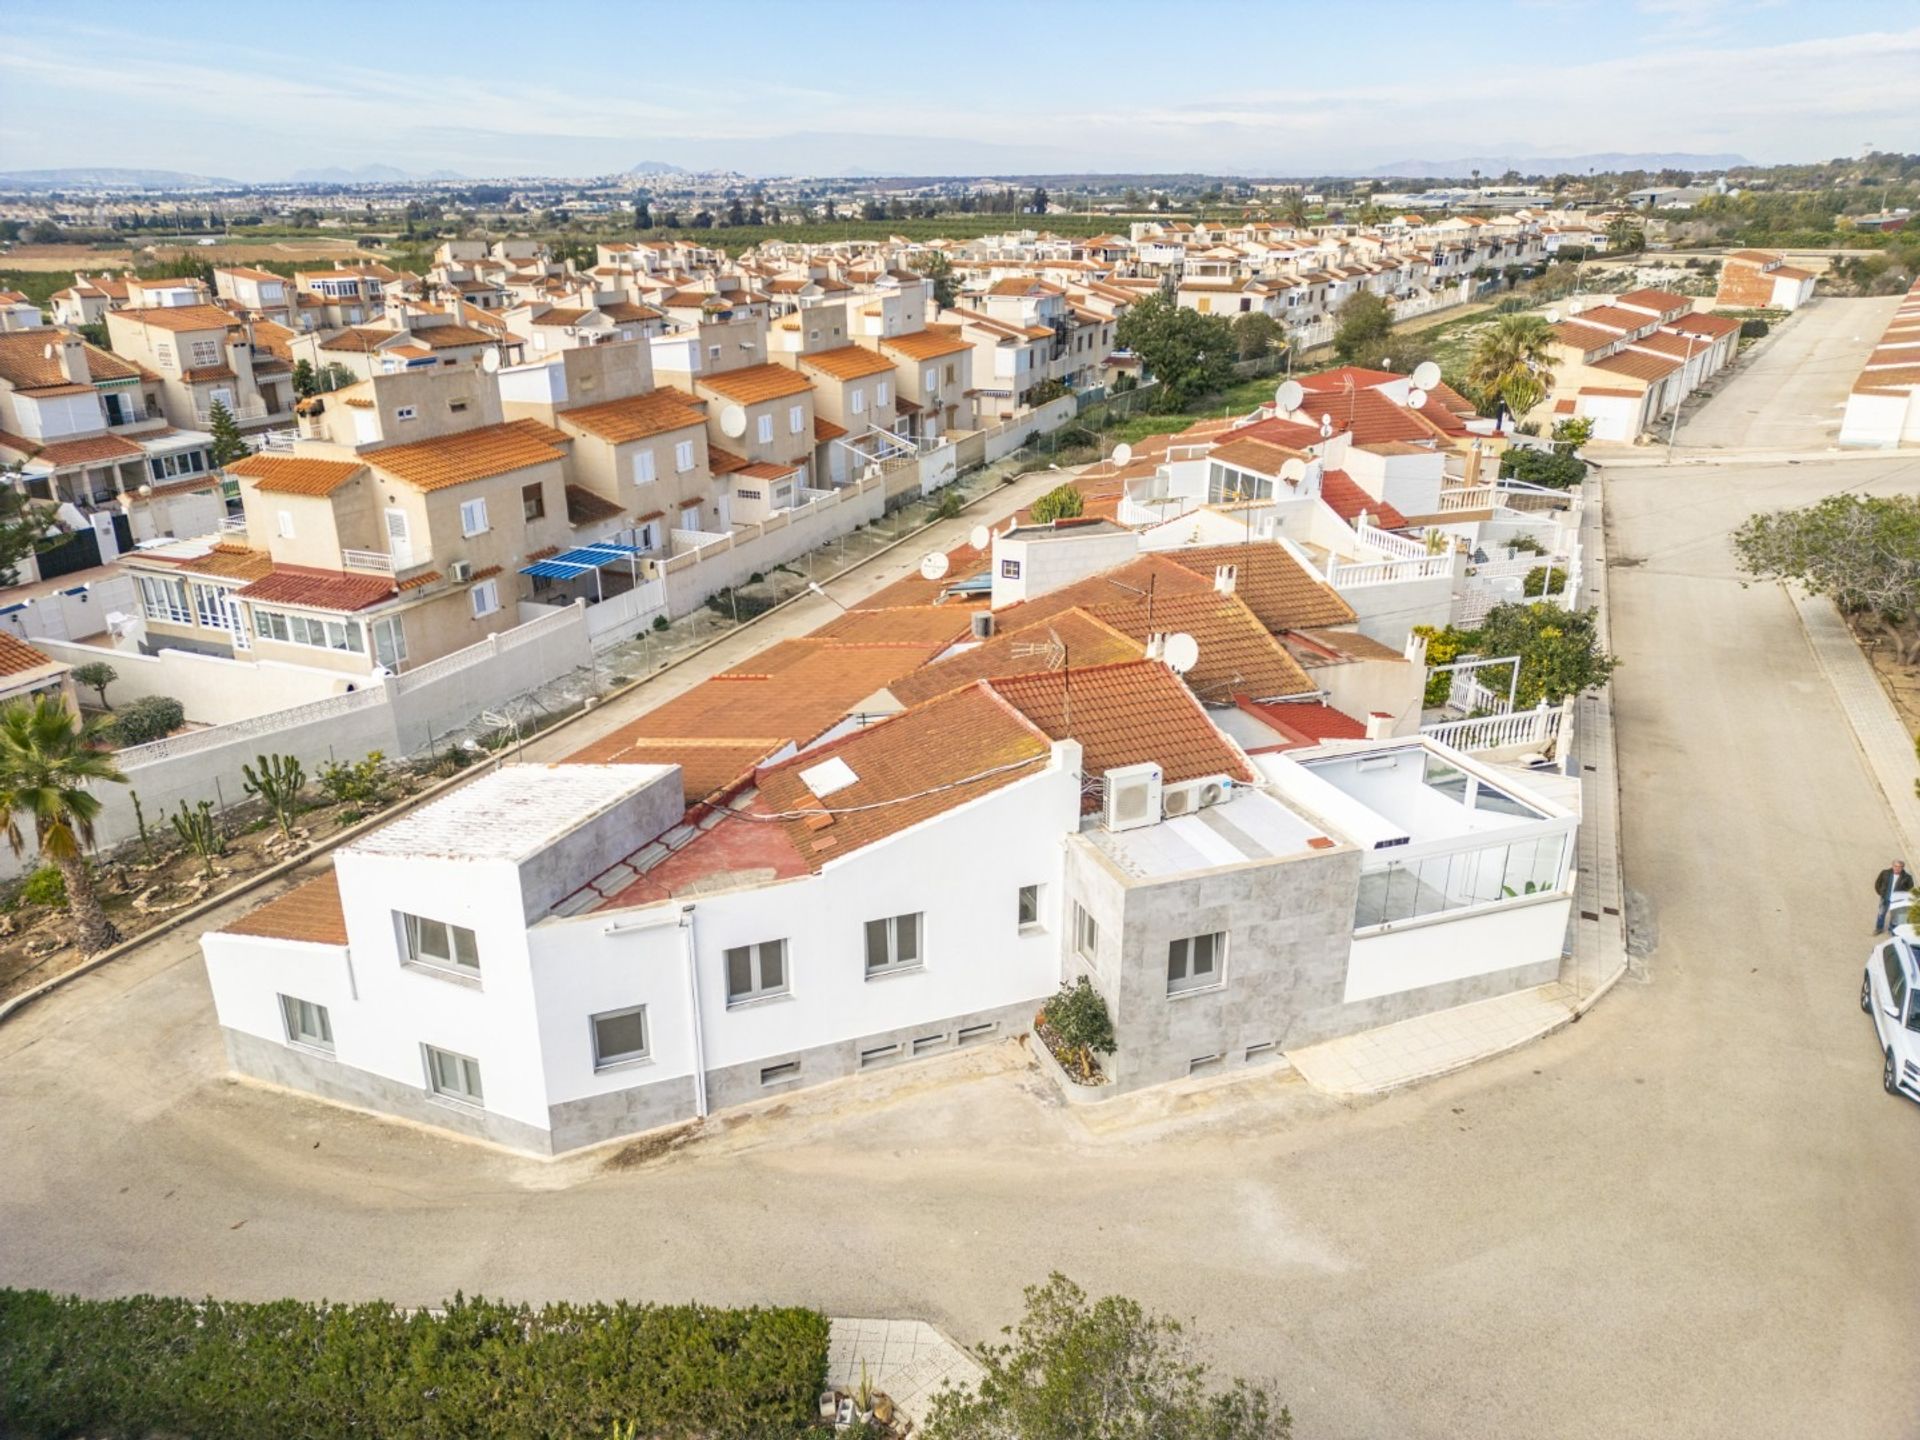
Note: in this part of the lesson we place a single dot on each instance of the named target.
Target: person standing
(1892, 881)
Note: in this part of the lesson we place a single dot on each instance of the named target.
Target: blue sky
(581, 87)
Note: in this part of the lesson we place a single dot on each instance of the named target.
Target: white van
(1890, 993)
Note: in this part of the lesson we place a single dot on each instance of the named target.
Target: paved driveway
(1789, 392)
(1691, 1214)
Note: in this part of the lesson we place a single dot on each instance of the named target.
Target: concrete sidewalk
(908, 1360)
(1875, 723)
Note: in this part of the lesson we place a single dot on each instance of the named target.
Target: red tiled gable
(310, 912)
(1343, 493)
(17, 656)
(91, 450)
(1126, 714)
(469, 454)
(318, 589)
(1370, 416)
(1303, 723)
(1238, 655)
(296, 475)
(1271, 583)
(1293, 434)
(1084, 641)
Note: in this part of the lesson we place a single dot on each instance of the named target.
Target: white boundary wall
(214, 689)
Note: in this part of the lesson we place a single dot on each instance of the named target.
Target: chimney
(1156, 645)
(1225, 577)
(1379, 725)
(73, 360)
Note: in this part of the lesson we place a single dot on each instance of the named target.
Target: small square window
(307, 1023)
(756, 971)
(1029, 907)
(1086, 934)
(1009, 569)
(893, 945)
(436, 943)
(454, 1077)
(1196, 963)
(619, 1037)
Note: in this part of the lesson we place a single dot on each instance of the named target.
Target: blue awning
(571, 564)
(981, 584)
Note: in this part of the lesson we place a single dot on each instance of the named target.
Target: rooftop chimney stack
(1379, 725)
(73, 361)
(1225, 578)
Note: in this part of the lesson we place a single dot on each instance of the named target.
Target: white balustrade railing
(1467, 497)
(1385, 541)
(375, 560)
(1534, 729)
(1343, 575)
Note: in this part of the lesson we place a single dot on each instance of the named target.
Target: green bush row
(218, 1370)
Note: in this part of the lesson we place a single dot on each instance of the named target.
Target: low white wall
(67, 615)
(756, 548)
(1003, 439)
(1415, 954)
(1388, 613)
(1880, 421)
(214, 689)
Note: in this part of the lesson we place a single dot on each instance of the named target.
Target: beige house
(87, 300)
(933, 373)
(774, 406)
(261, 293)
(199, 354)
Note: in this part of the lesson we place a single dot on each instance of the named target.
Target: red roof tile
(318, 589)
(1341, 491)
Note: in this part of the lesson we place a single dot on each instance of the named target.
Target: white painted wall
(83, 610)
(1415, 954)
(214, 689)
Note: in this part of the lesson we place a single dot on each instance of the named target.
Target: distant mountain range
(87, 176)
(656, 167)
(368, 175)
(1492, 165)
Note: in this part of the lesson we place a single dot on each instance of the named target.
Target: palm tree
(1625, 237)
(47, 758)
(1293, 210)
(1511, 361)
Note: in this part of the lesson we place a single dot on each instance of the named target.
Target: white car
(1890, 993)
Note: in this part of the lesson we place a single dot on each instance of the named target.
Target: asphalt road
(1789, 391)
(1692, 1214)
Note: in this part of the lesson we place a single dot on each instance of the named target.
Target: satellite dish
(490, 360)
(1426, 375)
(47, 352)
(1122, 453)
(1181, 652)
(1326, 427)
(980, 537)
(1553, 317)
(933, 566)
(1288, 397)
(1292, 470)
(1417, 398)
(733, 422)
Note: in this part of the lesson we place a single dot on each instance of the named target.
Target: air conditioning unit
(983, 624)
(1192, 795)
(460, 571)
(1132, 797)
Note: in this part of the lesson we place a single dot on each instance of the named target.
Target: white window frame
(857, 402)
(683, 457)
(406, 412)
(395, 634)
(1022, 908)
(205, 353)
(473, 516)
(485, 597)
(931, 383)
(881, 392)
(889, 931)
(765, 430)
(602, 1060)
(644, 472)
(316, 632)
(796, 419)
(466, 1090)
(307, 1023)
(1086, 933)
(754, 957)
(415, 934)
(1184, 953)
(283, 521)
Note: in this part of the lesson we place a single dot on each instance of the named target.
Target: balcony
(243, 411)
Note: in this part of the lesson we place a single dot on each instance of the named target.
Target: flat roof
(1251, 826)
(511, 814)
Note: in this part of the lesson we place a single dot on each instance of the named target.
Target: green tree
(1256, 334)
(1863, 551)
(1063, 502)
(1559, 650)
(1511, 362)
(305, 382)
(95, 334)
(1362, 326)
(642, 215)
(1624, 237)
(23, 522)
(48, 764)
(1038, 202)
(1076, 1020)
(227, 445)
(1190, 354)
(1100, 1370)
(96, 675)
(939, 269)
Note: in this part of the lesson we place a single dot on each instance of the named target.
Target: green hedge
(215, 1370)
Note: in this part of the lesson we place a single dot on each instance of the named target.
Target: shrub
(660, 623)
(1554, 469)
(1063, 502)
(220, 1370)
(1526, 545)
(361, 783)
(45, 886)
(96, 675)
(1753, 328)
(1076, 1026)
(1536, 582)
(949, 506)
(146, 719)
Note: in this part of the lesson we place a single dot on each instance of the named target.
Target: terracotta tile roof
(90, 450)
(928, 344)
(1612, 317)
(756, 383)
(584, 507)
(1584, 338)
(183, 317)
(318, 589)
(637, 417)
(1126, 714)
(1303, 722)
(724, 462)
(362, 339)
(201, 373)
(468, 454)
(1663, 301)
(25, 365)
(1345, 644)
(1368, 416)
(1341, 491)
(907, 770)
(1260, 456)
(295, 475)
(627, 312)
(230, 562)
(561, 317)
(1085, 640)
(848, 362)
(449, 337)
(796, 691)
(1290, 434)
(1675, 347)
(917, 624)
(1637, 366)
(1699, 323)
(17, 656)
(766, 470)
(708, 767)
(1272, 584)
(310, 911)
(1337, 378)
(825, 430)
